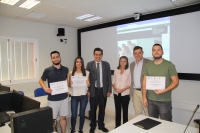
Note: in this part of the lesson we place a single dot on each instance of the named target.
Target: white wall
(48, 41)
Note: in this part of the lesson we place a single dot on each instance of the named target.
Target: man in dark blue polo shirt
(59, 102)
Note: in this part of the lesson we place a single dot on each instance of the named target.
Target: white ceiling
(64, 12)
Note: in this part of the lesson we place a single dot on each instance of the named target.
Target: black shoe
(104, 129)
(91, 130)
(80, 131)
(72, 131)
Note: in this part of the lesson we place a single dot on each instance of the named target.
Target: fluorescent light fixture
(84, 16)
(9, 2)
(29, 4)
(94, 18)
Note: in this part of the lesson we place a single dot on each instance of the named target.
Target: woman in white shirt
(79, 93)
(121, 83)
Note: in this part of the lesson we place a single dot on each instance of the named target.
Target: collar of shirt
(139, 61)
(57, 68)
(98, 62)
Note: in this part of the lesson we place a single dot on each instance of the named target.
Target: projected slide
(144, 34)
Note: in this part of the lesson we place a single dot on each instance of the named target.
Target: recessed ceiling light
(9, 2)
(36, 15)
(84, 16)
(94, 18)
(29, 4)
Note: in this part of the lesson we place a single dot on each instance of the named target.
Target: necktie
(98, 76)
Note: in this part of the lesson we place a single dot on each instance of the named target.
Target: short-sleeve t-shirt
(52, 74)
(164, 69)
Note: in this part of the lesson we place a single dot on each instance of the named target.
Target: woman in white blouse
(79, 93)
(121, 83)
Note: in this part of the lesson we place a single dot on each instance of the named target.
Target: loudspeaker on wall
(61, 32)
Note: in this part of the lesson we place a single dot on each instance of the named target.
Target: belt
(99, 88)
(139, 89)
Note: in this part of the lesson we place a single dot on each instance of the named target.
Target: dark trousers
(162, 109)
(121, 101)
(100, 101)
(75, 100)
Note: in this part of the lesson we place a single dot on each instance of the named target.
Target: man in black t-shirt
(58, 102)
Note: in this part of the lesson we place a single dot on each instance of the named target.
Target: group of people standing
(126, 82)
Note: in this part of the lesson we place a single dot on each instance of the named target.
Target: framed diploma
(59, 87)
(79, 81)
(155, 83)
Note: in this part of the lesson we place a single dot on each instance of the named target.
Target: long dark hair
(124, 57)
(82, 67)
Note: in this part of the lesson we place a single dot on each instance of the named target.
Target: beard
(159, 57)
(58, 63)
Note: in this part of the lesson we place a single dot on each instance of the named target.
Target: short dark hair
(54, 52)
(136, 48)
(98, 49)
(157, 44)
(82, 67)
(123, 57)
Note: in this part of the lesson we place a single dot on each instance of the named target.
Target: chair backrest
(39, 92)
(21, 92)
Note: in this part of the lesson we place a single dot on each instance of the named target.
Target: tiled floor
(109, 123)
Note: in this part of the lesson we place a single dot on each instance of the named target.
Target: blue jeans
(164, 109)
(75, 100)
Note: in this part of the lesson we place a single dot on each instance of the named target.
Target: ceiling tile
(61, 19)
(55, 10)
(47, 8)
(8, 15)
(64, 12)
(185, 2)
(64, 3)
(109, 3)
(129, 8)
(107, 13)
(28, 18)
(153, 3)
(161, 8)
(87, 7)
(11, 10)
(60, 24)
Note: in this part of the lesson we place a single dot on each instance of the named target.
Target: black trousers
(121, 101)
(100, 101)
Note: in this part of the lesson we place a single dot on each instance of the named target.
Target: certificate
(155, 83)
(59, 87)
(79, 81)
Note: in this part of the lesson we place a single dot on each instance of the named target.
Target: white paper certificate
(59, 87)
(154, 82)
(79, 81)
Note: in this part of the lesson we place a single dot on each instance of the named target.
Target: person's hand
(88, 94)
(145, 102)
(108, 94)
(48, 90)
(159, 91)
(120, 90)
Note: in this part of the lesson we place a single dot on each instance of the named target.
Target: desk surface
(164, 127)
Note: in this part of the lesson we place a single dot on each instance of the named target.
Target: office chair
(39, 92)
(21, 92)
